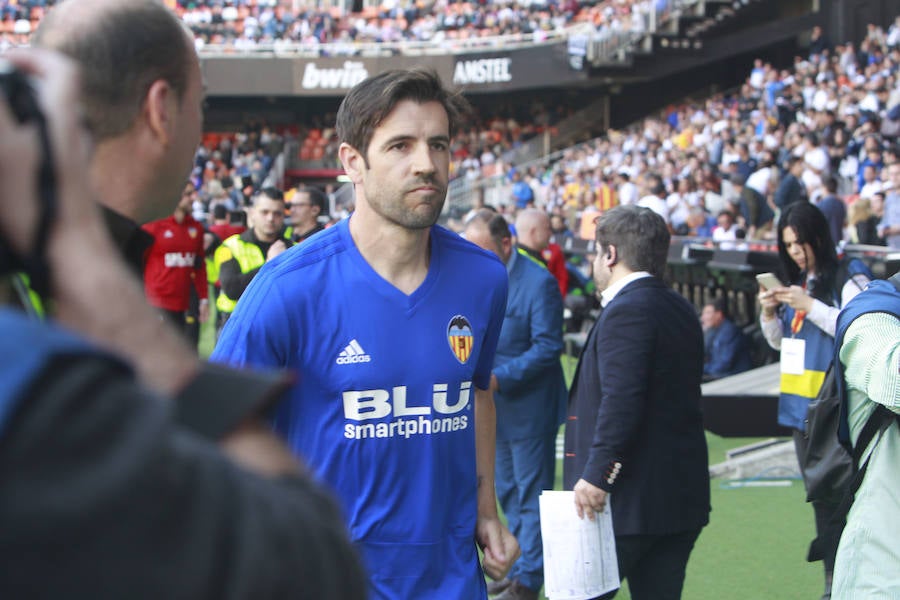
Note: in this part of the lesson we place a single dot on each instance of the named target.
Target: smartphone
(768, 281)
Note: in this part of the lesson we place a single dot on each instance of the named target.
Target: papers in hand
(579, 554)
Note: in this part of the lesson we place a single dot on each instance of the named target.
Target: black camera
(21, 99)
(18, 93)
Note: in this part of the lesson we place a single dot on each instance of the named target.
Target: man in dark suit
(530, 396)
(635, 430)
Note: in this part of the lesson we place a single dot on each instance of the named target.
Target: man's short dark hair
(639, 235)
(369, 103)
(122, 50)
(316, 198)
(270, 193)
(791, 161)
(720, 304)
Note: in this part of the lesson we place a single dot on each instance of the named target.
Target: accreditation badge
(793, 356)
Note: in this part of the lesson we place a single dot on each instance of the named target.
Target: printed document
(579, 554)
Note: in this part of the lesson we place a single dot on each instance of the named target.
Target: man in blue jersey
(393, 348)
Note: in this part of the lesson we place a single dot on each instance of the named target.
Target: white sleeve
(771, 330)
(823, 316)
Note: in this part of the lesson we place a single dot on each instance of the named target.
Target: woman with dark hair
(799, 320)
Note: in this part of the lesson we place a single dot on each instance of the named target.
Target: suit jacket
(635, 428)
(532, 396)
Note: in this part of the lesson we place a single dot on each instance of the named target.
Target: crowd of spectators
(251, 24)
(230, 167)
(824, 130)
(248, 24)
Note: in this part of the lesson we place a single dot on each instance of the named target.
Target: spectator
(864, 222)
(791, 189)
(654, 199)
(871, 184)
(726, 348)
(726, 229)
(756, 213)
(889, 228)
(559, 227)
(834, 209)
(522, 192)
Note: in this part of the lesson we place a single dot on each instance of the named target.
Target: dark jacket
(106, 496)
(790, 190)
(727, 350)
(635, 428)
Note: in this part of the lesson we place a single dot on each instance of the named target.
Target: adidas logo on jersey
(352, 354)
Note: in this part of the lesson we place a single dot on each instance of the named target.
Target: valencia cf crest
(460, 338)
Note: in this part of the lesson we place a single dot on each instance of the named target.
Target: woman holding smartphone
(799, 319)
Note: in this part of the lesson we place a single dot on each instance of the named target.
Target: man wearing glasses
(306, 206)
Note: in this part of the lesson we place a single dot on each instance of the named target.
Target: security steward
(241, 256)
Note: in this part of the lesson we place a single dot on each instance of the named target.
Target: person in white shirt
(654, 199)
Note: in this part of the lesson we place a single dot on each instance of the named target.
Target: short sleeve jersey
(383, 409)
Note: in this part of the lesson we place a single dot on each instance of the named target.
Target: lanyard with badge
(793, 349)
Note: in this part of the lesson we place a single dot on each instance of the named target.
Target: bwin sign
(346, 77)
(488, 70)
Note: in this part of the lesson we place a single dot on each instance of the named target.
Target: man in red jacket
(174, 263)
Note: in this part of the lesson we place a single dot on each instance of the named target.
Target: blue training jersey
(383, 409)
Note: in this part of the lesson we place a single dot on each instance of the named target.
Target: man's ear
(160, 109)
(506, 246)
(612, 256)
(353, 162)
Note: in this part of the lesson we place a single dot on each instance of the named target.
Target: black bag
(826, 464)
(831, 470)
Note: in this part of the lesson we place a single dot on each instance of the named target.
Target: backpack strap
(878, 423)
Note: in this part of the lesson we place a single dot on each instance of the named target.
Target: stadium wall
(486, 72)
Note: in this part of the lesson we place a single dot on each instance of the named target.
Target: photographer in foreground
(105, 496)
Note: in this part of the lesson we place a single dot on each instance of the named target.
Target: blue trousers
(523, 469)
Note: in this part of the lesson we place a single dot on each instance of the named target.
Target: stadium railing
(288, 48)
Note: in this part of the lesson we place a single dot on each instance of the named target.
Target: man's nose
(423, 162)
